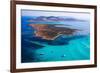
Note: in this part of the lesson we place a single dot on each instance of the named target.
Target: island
(51, 31)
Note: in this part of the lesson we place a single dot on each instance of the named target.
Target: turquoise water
(77, 49)
(64, 48)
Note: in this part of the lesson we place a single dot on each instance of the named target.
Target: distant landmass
(53, 18)
(51, 32)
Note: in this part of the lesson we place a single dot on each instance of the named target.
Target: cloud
(53, 18)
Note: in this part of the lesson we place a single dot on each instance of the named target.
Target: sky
(78, 15)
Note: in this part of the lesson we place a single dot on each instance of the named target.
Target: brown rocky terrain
(50, 32)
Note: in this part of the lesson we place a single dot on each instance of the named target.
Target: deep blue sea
(64, 48)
